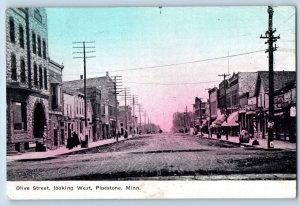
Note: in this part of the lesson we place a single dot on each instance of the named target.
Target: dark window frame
(39, 46)
(45, 79)
(44, 49)
(33, 42)
(23, 71)
(40, 76)
(35, 75)
(21, 37)
(12, 30)
(14, 67)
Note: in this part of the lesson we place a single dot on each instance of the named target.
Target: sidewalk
(263, 143)
(60, 151)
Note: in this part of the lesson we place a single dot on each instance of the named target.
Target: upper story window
(21, 36)
(12, 30)
(37, 15)
(41, 76)
(35, 75)
(54, 97)
(39, 46)
(23, 74)
(13, 67)
(44, 49)
(45, 79)
(33, 43)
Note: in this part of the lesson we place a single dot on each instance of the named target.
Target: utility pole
(271, 39)
(140, 118)
(133, 110)
(225, 102)
(200, 121)
(86, 145)
(193, 115)
(126, 95)
(184, 124)
(209, 102)
(145, 122)
(126, 110)
(115, 86)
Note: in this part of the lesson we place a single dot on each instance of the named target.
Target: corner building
(26, 78)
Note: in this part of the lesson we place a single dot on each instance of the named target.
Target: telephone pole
(116, 90)
(140, 117)
(209, 102)
(84, 57)
(225, 102)
(200, 113)
(271, 39)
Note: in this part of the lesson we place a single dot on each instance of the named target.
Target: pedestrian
(76, 140)
(126, 134)
(69, 140)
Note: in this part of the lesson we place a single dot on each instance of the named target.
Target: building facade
(56, 124)
(27, 81)
(108, 102)
(257, 109)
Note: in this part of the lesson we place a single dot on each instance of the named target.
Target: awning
(220, 119)
(250, 112)
(278, 114)
(232, 120)
(204, 123)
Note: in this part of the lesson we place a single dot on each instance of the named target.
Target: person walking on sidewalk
(126, 134)
(70, 139)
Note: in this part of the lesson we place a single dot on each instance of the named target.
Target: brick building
(26, 78)
(125, 119)
(56, 124)
(238, 85)
(73, 115)
(284, 99)
(108, 105)
(94, 98)
(199, 113)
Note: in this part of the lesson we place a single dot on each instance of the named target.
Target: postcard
(151, 102)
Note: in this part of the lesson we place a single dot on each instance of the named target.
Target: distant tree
(181, 121)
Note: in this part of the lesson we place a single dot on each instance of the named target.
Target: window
(33, 43)
(39, 46)
(44, 49)
(45, 79)
(12, 30)
(13, 67)
(21, 36)
(35, 75)
(54, 98)
(19, 116)
(23, 75)
(58, 95)
(41, 76)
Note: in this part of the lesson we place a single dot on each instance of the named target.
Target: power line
(176, 64)
(183, 83)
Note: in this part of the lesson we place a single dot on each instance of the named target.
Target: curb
(68, 153)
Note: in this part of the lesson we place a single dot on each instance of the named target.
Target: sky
(159, 52)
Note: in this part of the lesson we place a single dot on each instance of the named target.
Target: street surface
(161, 157)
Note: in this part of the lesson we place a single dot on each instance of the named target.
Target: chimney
(107, 74)
(81, 77)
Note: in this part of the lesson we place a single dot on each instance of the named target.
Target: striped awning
(232, 120)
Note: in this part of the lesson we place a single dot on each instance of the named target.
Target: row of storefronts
(250, 110)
